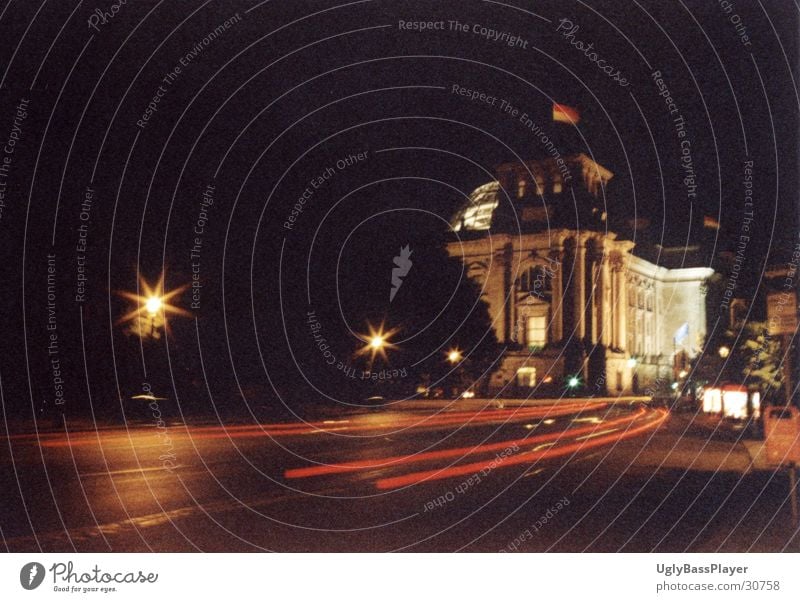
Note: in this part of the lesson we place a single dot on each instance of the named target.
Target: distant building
(567, 296)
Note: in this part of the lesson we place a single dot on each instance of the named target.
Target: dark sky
(289, 89)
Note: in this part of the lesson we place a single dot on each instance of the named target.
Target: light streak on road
(549, 438)
(357, 424)
(519, 458)
(593, 435)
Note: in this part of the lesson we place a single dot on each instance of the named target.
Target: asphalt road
(567, 477)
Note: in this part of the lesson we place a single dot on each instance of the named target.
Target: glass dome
(528, 192)
(477, 213)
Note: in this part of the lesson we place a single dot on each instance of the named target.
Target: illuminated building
(568, 296)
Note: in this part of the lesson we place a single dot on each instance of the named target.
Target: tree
(761, 354)
(753, 361)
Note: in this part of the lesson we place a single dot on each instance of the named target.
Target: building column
(622, 306)
(579, 288)
(605, 293)
(508, 292)
(615, 268)
(701, 313)
(568, 289)
(557, 303)
(596, 283)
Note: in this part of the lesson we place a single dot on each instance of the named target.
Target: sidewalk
(703, 443)
(754, 446)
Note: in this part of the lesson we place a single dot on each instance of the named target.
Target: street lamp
(151, 307)
(573, 382)
(377, 342)
(454, 356)
(724, 352)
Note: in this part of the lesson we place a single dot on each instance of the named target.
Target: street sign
(782, 434)
(782, 312)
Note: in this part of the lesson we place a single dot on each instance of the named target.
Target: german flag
(566, 114)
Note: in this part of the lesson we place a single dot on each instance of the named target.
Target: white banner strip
(399, 577)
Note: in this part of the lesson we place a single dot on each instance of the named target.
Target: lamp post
(376, 343)
(152, 307)
(454, 356)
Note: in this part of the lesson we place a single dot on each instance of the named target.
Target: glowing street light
(573, 382)
(454, 356)
(377, 342)
(724, 351)
(152, 307)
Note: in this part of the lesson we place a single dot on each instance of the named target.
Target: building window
(536, 331)
(526, 281)
(639, 334)
(648, 328)
(526, 377)
(521, 185)
(631, 332)
(537, 281)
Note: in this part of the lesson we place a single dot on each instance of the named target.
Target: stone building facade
(569, 301)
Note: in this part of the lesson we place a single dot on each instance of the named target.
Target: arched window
(537, 281)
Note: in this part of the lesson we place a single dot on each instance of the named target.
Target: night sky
(252, 104)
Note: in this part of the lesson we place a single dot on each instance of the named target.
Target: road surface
(570, 476)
